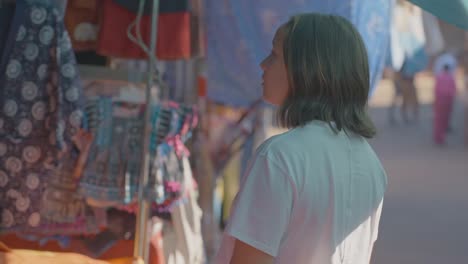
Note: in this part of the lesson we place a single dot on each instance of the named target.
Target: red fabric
(122, 249)
(173, 40)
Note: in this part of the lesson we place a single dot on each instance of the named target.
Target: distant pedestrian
(465, 100)
(445, 90)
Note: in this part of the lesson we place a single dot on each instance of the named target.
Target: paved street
(425, 216)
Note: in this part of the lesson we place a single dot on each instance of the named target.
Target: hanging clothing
(40, 123)
(185, 244)
(396, 52)
(113, 167)
(6, 16)
(173, 40)
(408, 41)
(112, 173)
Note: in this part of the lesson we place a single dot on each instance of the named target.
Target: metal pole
(141, 234)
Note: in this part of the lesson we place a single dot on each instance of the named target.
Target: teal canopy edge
(454, 12)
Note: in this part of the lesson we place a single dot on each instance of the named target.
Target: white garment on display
(396, 50)
(184, 241)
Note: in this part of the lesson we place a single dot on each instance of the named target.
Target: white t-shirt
(309, 196)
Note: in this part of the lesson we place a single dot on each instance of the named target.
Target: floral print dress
(40, 114)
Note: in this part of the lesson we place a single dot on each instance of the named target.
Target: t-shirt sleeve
(263, 206)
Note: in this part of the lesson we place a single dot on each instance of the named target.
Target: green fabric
(452, 11)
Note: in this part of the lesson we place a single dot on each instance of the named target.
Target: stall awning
(239, 34)
(453, 11)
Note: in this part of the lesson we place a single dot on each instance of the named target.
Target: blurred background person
(407, 57)
(445, 91)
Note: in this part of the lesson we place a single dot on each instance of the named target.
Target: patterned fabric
(239, 34)
(6, 15)
(113, 169)
(115, 153)
(39, 117)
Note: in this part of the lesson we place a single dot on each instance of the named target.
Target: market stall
(98, 113)
(92, 158)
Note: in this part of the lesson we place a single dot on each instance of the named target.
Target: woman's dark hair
(328, 73)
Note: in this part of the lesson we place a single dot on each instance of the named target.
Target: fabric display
(179, 184)
(183, 243)
(41, 134)
(70, 150)
(7, 10)
(173, 40)
(407, 41)
(112, 173)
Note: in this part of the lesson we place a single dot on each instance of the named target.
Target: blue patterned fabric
(113, 168)
(113, 164)
(240, 33)
(40, 99)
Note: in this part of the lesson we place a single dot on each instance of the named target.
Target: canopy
(452, 11)
(239, 34)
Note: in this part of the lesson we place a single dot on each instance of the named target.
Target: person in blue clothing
(313, 194)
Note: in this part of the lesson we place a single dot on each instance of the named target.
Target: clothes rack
(141, 249)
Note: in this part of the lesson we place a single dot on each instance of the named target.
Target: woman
(313, 194)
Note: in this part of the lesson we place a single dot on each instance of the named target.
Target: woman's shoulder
(277, 143)
(290, 143)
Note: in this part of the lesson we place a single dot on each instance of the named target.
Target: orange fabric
(202, 86)
(22, 256)
(119, 253)
(81, 20)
